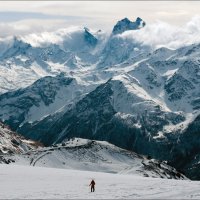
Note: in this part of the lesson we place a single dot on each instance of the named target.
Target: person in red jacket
(92, 184)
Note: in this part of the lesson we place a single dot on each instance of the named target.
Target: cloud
(155, 35)
(41, 23)
(25, 27)
(13, 16)
(104, 14)
(161, 34)
(55, 37)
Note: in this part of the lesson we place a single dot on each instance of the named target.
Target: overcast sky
(35, 16)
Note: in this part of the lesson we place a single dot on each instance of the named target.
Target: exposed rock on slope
(12, 143)
(125, 25)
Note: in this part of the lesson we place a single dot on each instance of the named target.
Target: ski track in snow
(27, 182)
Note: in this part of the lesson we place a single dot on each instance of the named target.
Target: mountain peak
(138, 19)
(18, 43)
(89, 37)
(18, 47)
(125, 25)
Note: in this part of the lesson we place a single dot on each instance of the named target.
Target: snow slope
(25, 182)
(90, 155)
(46, 96)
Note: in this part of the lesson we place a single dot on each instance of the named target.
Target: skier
(92, 184)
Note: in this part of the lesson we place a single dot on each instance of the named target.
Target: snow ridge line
(33, 161)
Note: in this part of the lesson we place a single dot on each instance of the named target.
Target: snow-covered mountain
(91, 155)
(102, 113)
(46, 96)
(82, 83)
(26, 61)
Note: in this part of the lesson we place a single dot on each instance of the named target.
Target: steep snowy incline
(120, 49)
(25, 64)
(23, 182)
(44, 97)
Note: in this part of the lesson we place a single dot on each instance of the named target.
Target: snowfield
(27, 182)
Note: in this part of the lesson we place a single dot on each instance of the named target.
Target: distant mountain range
(90, 85)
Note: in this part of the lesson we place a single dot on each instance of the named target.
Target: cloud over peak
(155, 35)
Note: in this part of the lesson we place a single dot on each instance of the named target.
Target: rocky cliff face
(125, 25)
